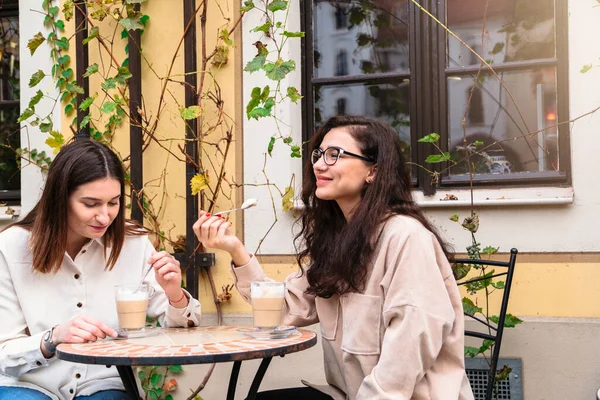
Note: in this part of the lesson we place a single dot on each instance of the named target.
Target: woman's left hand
(168, 274)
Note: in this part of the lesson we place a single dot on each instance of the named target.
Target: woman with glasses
(374, 273)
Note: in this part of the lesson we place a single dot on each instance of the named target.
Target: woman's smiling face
(345, 180)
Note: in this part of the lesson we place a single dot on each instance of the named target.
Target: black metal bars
(191, 146)
(81, 63)
(135, 124)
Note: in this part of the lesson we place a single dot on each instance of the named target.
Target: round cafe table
(179, 346)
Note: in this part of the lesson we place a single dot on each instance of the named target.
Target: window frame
(428, 95)
(10, 9)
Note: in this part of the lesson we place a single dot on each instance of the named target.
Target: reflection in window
(341, 63)
(341, 19)
(341, 106)
(9, 99)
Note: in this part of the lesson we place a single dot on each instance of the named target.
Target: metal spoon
(247, 204)
(143, 277)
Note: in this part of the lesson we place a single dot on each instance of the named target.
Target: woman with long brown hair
(377, 275)
(58, 269)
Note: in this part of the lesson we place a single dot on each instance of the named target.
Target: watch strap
(48, 341)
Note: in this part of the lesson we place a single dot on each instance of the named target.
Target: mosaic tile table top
(206, 344)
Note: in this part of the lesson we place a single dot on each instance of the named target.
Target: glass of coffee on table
(132, 304)
(267, 304)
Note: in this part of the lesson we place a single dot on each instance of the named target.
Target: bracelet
(181, 298)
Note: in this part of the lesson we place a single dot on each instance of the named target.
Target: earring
(369, 180)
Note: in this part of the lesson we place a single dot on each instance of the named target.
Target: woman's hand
(213, 231)
(81, 330)
(168, 275)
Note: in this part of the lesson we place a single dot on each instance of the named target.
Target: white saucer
(124, 334)
(279, 333)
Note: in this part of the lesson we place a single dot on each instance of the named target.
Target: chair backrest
(496, 332)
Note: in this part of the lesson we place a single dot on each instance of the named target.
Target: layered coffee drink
(267, 303)
(132, 303)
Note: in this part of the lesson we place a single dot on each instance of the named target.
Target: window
(10, 177)
(341, 19)
(341, 64)
(341, 106)
(418, 79)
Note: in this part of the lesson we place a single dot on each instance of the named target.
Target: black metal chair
(495, 332)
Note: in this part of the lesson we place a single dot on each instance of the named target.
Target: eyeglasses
(332, 154)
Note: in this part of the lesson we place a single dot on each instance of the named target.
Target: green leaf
(469, 307)
(110, 83)
(471, 351)
(28, 112)
(505, 370)
(264, 96)
(248, 5)
(67, 73)
(124, 34)
(85, 104)
(176, 369)
(293, 34)
(454, 217)
(489, 250)
(63, 43)
(277, 71)
(585, 68)
(498, 285)
(74, 88)
(460, 270)
(271, 145)
(191, 112)
(46, 127)
(498, 47)
(60, 25)
(90, 70)
(510, 321)
(69, 108)
(122, 75)
(108, 107)
(144, 19)
(156, 380)
(277, 5)
(262, 28)
(53, 11)
(35, 99)
(93, 34)
(477, 143)
(36, 78)
(436, 158)
(64, 60)
(431, 138)
(293, 94)
(35, 42)
(259, 112)
(485, 345)
(131, 23)
(256, 64)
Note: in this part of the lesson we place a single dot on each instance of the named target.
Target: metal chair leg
(128, 378)
(260, 374)
(235, 372)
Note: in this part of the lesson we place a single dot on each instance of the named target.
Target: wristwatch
(48, 340)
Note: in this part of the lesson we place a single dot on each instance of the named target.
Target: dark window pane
(387, 102)
(374, 37)
(517, 30)
(508, 132)
(9, 103)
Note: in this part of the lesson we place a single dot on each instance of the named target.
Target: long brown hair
(77, 163)
(337, 251)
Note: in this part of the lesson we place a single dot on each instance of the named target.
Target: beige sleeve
(299, 308)
(417, 314)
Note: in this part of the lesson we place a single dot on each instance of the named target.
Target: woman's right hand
(81, 329)
(213, 231)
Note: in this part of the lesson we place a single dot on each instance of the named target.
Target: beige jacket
(402, 338)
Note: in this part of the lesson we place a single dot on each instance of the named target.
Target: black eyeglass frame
(341, 151)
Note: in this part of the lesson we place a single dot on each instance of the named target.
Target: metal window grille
(510, 388)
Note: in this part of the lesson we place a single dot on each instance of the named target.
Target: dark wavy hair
(338, 252)
(78, 162)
